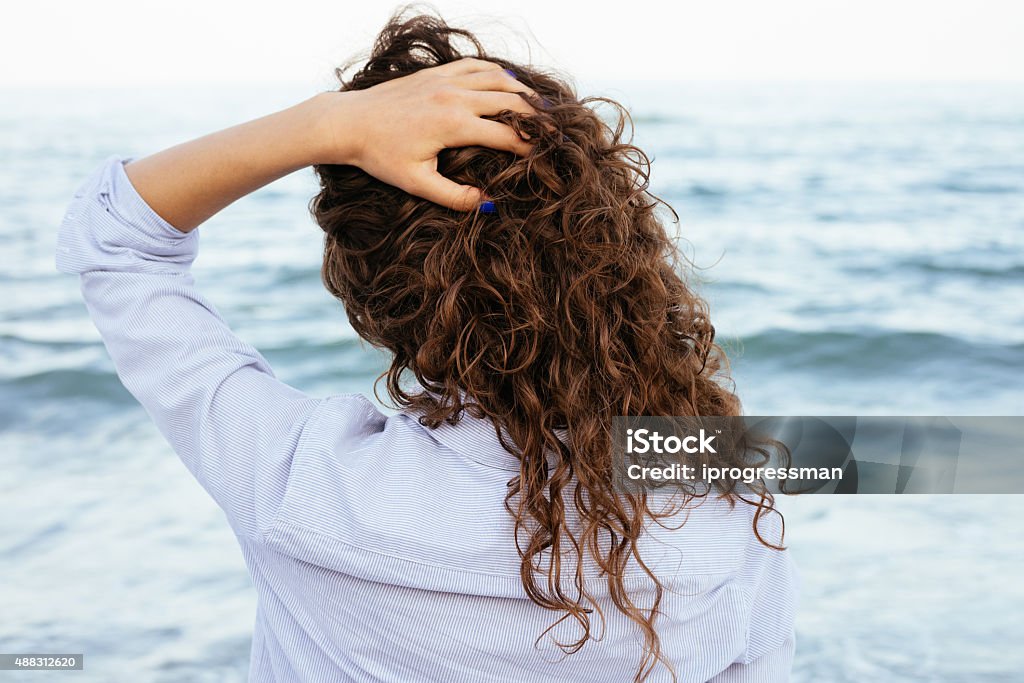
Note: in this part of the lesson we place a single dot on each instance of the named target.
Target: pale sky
(132, 42)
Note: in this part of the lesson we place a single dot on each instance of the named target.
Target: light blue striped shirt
(381, 550)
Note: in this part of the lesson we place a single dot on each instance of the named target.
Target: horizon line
(615, 80)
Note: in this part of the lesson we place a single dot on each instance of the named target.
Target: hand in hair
(395, 129)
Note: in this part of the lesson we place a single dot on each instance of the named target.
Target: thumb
(434, 187)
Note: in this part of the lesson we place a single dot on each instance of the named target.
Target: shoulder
(751, 546)
(771, 585)
(709, 537)
(344, 417)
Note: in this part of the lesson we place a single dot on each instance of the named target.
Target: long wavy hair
(551, 316)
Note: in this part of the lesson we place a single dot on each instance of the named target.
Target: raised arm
(129, 233)
(392, 131)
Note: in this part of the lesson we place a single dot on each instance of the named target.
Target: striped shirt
(380, 549)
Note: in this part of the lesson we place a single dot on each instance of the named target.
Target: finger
(499, 80)
(491, 134)
(467, 65)
(434, 187)
(491, 103)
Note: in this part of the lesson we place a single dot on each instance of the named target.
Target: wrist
(336, 137)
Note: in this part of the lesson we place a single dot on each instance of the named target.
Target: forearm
(393, 131)
(190, 182)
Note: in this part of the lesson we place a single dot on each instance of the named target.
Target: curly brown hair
(561, 310)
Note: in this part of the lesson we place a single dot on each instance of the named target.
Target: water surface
(862, 247)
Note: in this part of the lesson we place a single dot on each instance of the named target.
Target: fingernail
(487, 207)
(545, 102)
(511, 73)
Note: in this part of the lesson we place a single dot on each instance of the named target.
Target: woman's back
(392, 558)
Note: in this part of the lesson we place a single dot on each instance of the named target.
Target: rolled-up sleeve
(213, 397)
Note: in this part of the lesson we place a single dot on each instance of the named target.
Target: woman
(488, 229)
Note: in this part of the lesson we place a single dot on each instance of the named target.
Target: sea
(862, 249)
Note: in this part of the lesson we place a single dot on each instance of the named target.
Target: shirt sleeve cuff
(109, 226)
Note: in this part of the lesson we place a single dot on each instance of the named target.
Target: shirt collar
(477, 439)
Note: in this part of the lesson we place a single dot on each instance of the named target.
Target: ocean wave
(69, 383)
(14, 341)
(1007, 272)
(967, 187)
(721, 286)
(872, 350)
(699, 190)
